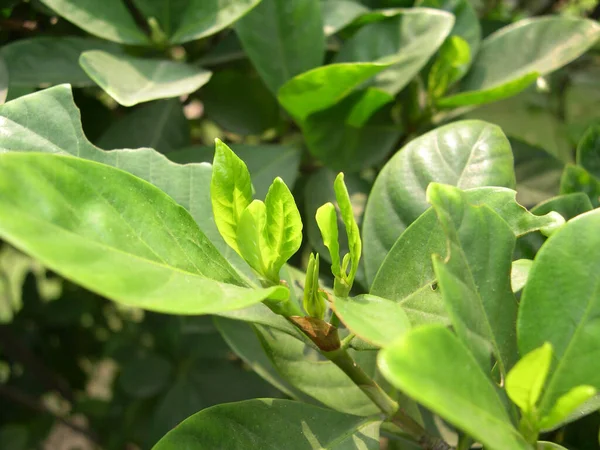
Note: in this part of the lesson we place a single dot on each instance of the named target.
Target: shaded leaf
(337, 14)
(520, 273)
(144, 375)
(576, 179)
(588, 151)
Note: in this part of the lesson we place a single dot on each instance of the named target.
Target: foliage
(299, 224)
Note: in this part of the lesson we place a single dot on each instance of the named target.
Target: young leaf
(132, 80)
(354, 241)
(116, 235)
(284, 226)
(432, 366)
(451, 64)
(525, 381)
(230, 192)
(327, 221)
(252, 240)
(240, 425)
(566, 404)
(313, 302)
(565, 268)
(374, 319)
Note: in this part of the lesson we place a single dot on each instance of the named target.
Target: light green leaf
(126, 239)
(230, 192)
(313, 301)
(283, 227)
(525, 381)
(451, 64)
(327, 221)
(576, 179)
(541, 445)
(474, 277)
(337, 14)
(374, 319)
(160, 125)
(432, 366)
(252, 238)
(239, 426)
(131, 80)
(50, 60)
(538, 45)
(520, 273)
(588, 151)
(278, 48)
(564, 268)
(352, 231)
(466, 154)
(567, 404)
(108, 19)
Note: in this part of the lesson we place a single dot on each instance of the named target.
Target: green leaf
(520, 273)
(432, 366)
(126, 239)
(588, 151)
(3, 80)
(313, 301)
(327, 221)
(239, 426)
(565, 269)
(450, 65)
(284, 226)
(466, 154)
(525, 381)
(50, 60)
(374, 319)
(108, 19)
(230, 192)
(541, 445)
(278, 48)
(576, 179)
(160, 125)
(567, 404)
(337, 14)
(352, 231)
(264, 162)
(474, 277)
(131, 80)
(240, 103)
(411, 37)
(145, 375)
(252, 240)
(539, 45)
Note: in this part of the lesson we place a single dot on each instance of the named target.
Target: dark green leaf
(145, 375)
(3, 80)
(576, 179)
(588, 151)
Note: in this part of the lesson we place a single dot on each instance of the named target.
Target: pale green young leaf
(327, 221)
(452, 62)
(566, 404)
(525, 381)
(542, 445)
(284, 226)
(230, 192)
(312, 301)
(252, 237)
(519, 273)
(352, 231)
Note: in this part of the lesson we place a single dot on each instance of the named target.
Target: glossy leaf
(411, 38)
(50, 60)
(525, 381)
(466, 154)
(115, 228)
(576, 179)
(538, 45)
(327, 221)
(432, 366)
(337, 14)
(160, 125)
(571, 327)
(230, 192)
(108, 19)
(566, 405)
(374, 319)
(474, 277)
(588, 151)
(238, 426)
(278, 48)
(132, 80)
(251, 238)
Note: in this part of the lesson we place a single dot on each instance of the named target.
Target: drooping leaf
(374, 319)
(230, 192)
(131, 80)
(588, 151)
(160, 125)
(531, 46)
(337, 14)
(576, 179)
(116, 235)
(565, 268)
(432, 366)
(108, 19)
(466, 154)
(278, 48)
(410, 37)
(474, 277)
(240, 426)
(525, 381)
